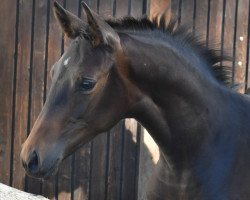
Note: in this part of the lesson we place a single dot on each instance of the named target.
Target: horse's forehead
(75, 51)
(73, 55)
(80, 52)
(66, 61)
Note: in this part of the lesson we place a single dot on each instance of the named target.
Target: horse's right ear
(100, 31)
(71, 24)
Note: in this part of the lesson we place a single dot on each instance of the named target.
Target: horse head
(86, 96)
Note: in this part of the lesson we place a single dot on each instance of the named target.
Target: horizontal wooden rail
(9, 193)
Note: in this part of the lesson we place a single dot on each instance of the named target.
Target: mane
(212, 56)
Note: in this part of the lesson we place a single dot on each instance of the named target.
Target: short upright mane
(211, 56)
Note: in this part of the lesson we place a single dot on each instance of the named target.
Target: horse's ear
(101, 32)
(71, 24)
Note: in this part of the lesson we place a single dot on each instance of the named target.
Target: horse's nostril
(33, 163)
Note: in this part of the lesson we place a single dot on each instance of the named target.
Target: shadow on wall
(113, 166)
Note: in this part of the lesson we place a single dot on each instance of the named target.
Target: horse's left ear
(71, 24)
(100, 31)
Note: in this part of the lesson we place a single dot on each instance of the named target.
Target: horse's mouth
(52, 170)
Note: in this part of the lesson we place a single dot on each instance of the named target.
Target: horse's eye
(86, 85)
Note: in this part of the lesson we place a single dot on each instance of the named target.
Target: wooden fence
(111, 166)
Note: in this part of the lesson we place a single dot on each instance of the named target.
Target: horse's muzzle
(31, 164)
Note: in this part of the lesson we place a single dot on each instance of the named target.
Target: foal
(165, 80)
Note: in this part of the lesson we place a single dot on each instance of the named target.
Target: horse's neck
(196, 122)
(175, 98)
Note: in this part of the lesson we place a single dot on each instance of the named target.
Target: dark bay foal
(166, 81)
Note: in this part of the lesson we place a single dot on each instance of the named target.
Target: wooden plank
(64, 178)
(54, 45)
(7, 49)
(121, 8)
(114, 163)
(136, 8)
(201, 19)
(187, 13)
(81, 173)
(228, 36)
(241, 44)
(129, 183)
(98, 167)
(106, 8)
(35, 185)
(22, 88)
(214, 34)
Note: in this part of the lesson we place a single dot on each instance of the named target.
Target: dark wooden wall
(31, 41)
(223, 24)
